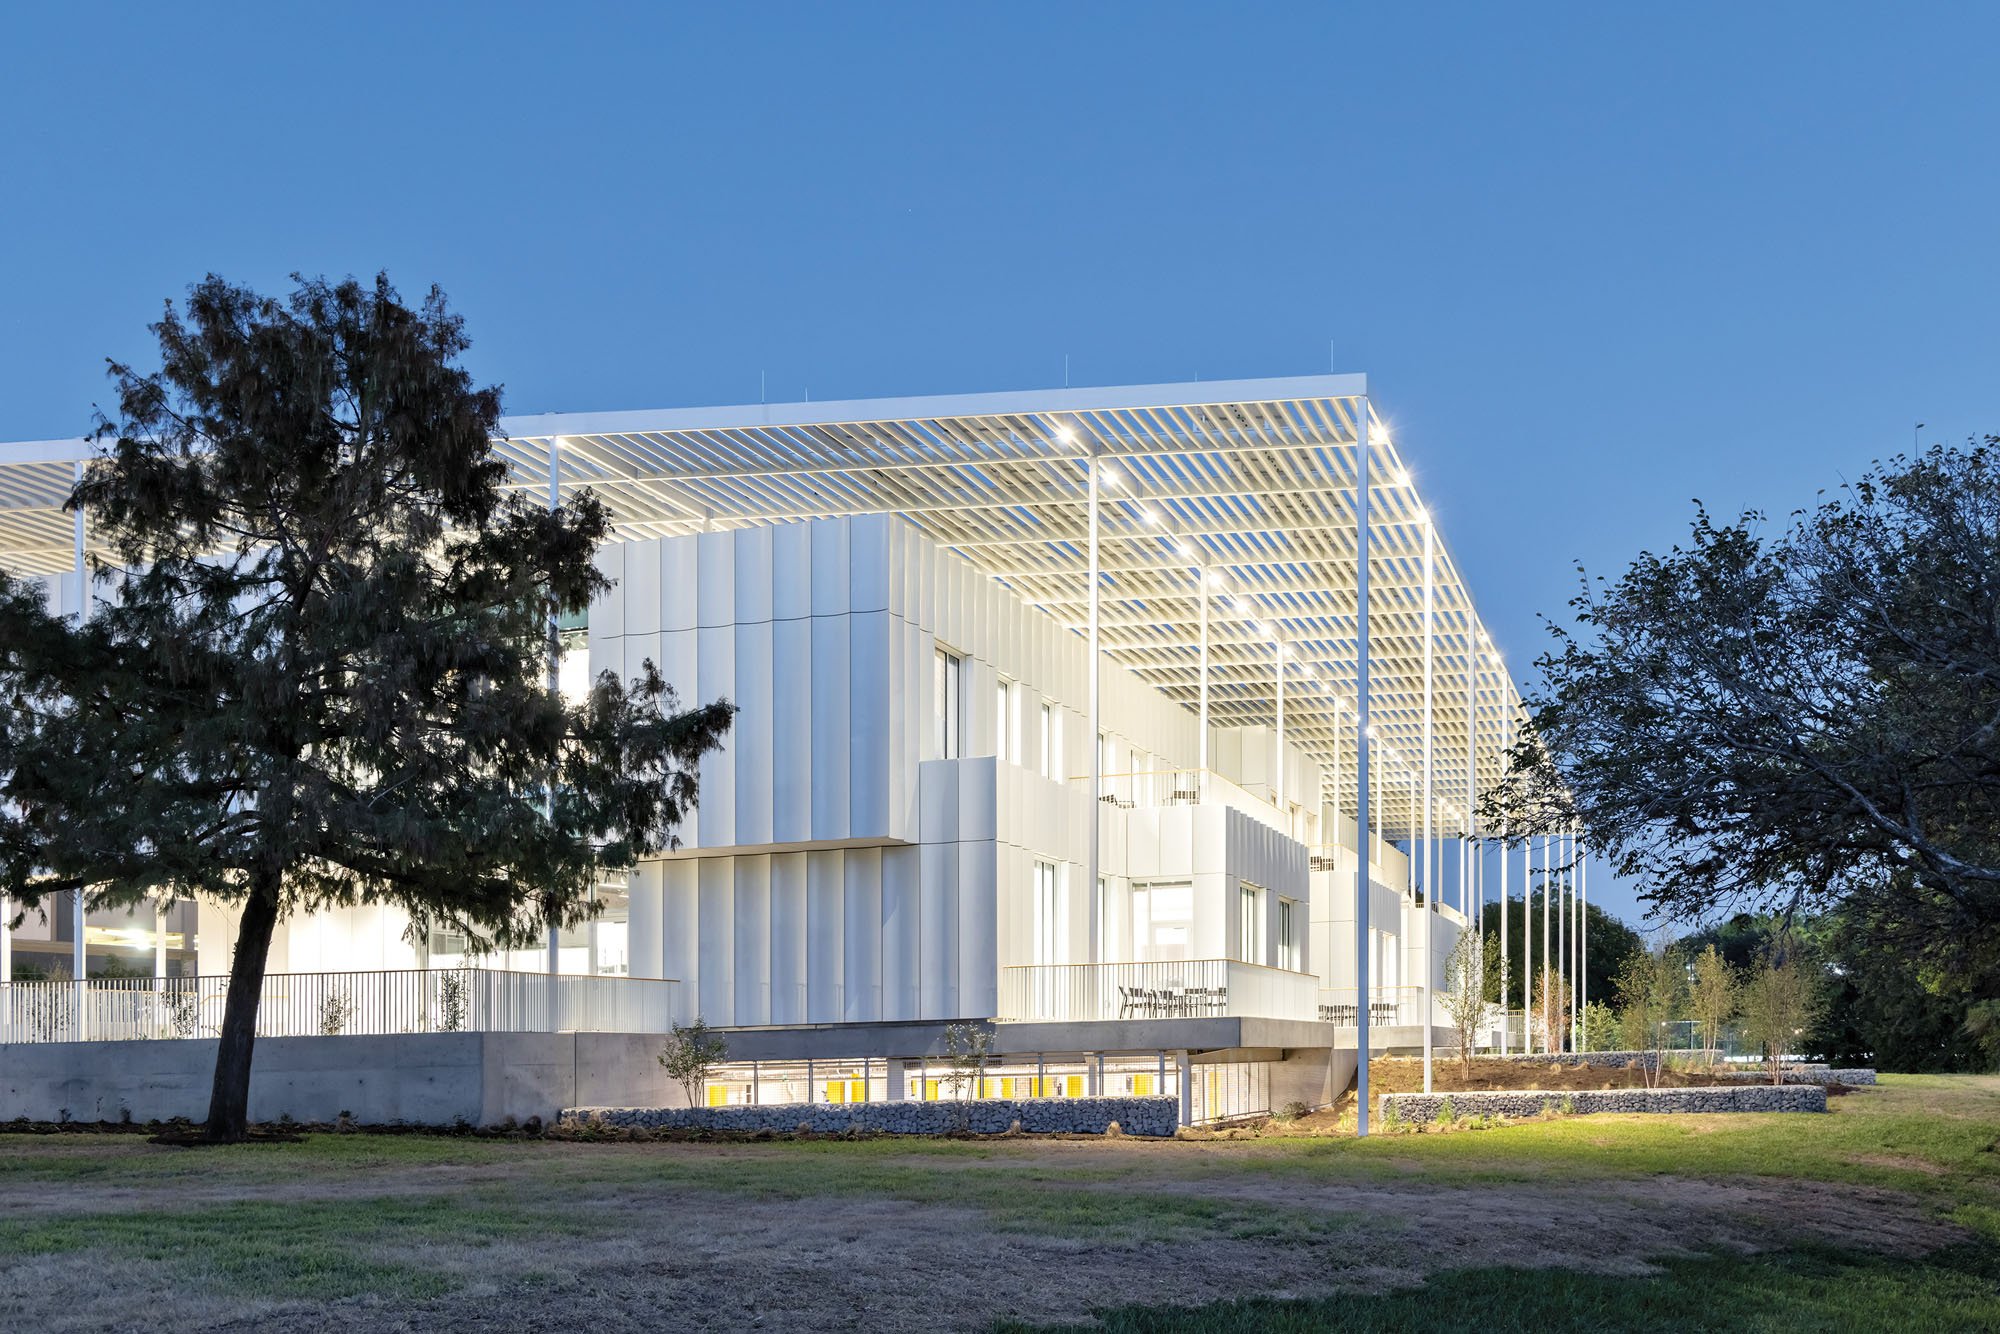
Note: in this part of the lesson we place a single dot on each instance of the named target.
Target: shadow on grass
(1797, 1290)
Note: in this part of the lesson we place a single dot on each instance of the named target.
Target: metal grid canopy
(1246, 487)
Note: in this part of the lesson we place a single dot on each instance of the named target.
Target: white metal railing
(1189, 787)
(1387, 1006)
(434, 1000)
(1196, 988)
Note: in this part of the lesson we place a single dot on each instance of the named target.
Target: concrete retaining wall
(1423, 1107)
(419, 1078)
(980, 1116)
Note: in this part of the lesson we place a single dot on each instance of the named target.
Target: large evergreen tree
(317, 672)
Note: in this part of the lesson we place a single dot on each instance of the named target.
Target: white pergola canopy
(1244, 487)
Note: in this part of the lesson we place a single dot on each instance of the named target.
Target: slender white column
(1505, 906)
(555, 678)
(159, 940)
(1095, 724)
(1527, 943)
(79, 956)
(1201, 779)
(1278, 653)
(6, 940)
(1548, 922)
(1430, 795)
(1472, 651)
(1583, 948)
(1361, 885)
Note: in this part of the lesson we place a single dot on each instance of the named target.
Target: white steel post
(1430, 860)
(1548, 955)
(1361, 757)
(1504, 908)
(1201, 779)
(1096, 744)
(1278, 654)
(1472, 651)
(1527, 943)
(78, 953)
(1583, 949)
(555, 683)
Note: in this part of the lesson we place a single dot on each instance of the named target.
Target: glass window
(1051, 916)
(1163, 921)
(1007, 722)
(1288, 939)
(949, 702)
(1252, 939)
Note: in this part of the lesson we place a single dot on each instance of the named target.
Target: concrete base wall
(1315, 1077)
(422, 1078)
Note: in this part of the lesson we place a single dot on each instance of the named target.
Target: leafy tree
(1465, 1002)
(967, 1049)
(1711, 997)
(691, 1053)
(317, 673)
(1797, 720)
(1653, 989)
(1550, 1014)
(1779, 1002)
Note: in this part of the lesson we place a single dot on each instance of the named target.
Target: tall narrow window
(1288, 937)
(950, 703)
(1006, 723)
(1053, 764)
(1252, 950)
(1051, 919)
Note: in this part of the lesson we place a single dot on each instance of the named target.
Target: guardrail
(1387, 1007)
(1196, 988)
(433, 1000)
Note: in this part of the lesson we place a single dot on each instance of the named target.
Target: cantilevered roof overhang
(1243, 491)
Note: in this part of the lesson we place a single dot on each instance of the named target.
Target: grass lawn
(1884, 1213)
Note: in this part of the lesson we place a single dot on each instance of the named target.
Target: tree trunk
(229, 1099)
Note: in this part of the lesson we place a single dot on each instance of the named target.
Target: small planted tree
(1780, 1000)
(1550, 1015)
(968, 1047)
(1465, 994)
(1712, 996)
(691, 1053)
(1653, 987)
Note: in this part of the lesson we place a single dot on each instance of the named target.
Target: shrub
(1291, 1111)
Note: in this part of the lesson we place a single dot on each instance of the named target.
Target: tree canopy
(1796, 719)
(317, 672)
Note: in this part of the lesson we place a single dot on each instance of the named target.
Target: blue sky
(1597, 260)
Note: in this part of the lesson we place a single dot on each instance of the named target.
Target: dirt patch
(663, 1254)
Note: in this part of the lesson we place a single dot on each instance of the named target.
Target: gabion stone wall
(1809, 1074)
(1616, 1060)
(1423, 1107)
(1155, 1116)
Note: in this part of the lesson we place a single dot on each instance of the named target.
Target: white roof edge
(46, 451)
(1008, 402)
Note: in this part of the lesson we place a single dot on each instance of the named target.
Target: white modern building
(1144, 877)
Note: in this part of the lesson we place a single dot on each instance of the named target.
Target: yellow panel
(1142, 1086)
(717, 1095)
(1074, 1086)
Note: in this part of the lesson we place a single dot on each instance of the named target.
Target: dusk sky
(1596, 260)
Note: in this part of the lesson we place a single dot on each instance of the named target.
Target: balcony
(1194, 989)
(1191, 787)
(1388, 1007)
(435, 1000)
